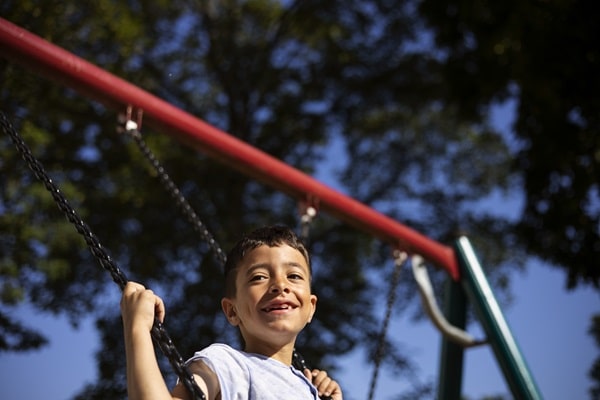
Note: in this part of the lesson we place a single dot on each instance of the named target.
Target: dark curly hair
(272, 236)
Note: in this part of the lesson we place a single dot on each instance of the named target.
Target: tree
(544, 56)
(287, 77)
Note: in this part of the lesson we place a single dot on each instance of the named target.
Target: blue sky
(549, 325)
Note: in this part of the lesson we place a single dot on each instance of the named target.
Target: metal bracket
(308, 210)
(126, 122)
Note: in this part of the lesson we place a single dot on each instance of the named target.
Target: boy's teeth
(283, 307)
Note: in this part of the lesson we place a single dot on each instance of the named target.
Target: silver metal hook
(429, 302)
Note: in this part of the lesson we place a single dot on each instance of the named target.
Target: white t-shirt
(249, 376)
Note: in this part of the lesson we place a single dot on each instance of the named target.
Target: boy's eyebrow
(254, 267)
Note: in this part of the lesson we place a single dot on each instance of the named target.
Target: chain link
(175, 193)
(399, 259)
(158, 332)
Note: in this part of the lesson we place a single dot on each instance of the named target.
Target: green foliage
(291, 78)
(544, 56)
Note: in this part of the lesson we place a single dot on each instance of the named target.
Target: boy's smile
(273, 300)
(279, 307)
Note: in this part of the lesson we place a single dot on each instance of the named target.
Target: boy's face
(273, 301)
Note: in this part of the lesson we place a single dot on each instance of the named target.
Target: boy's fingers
(308, 374)
(318, 377)
(159, 309)
(323, 382)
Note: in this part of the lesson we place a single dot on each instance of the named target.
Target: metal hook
(127, 124)
(429, 302)
(308, 210)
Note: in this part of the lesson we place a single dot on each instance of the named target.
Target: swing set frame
(459, 261)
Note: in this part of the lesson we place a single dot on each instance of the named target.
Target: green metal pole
(452, 355)
(506, 350)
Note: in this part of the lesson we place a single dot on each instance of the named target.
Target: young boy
(268, 297)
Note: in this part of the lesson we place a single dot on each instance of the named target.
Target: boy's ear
(313, 302)
(229, 311)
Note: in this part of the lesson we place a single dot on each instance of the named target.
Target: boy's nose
(279, 286)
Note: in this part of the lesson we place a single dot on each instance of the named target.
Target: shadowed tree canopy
(347, 88)
(544, 56)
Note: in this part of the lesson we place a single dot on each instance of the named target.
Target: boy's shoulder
(219, 350)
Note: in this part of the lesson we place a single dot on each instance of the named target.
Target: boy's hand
(139, 307)
(326, 386)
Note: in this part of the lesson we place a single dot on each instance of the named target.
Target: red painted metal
(31, 51)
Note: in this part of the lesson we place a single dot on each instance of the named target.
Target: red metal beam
(31, 51)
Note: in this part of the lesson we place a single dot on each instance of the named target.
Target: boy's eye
(257, 278)
(295, 276)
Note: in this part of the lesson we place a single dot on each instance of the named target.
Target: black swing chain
(399, 259)
(175, 193)
(158, 332)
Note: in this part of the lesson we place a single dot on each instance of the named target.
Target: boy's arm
(144, 379)
(138, 308)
